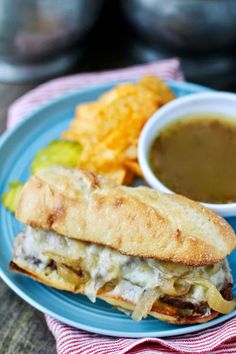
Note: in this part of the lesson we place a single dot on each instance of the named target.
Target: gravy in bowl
(196, 156)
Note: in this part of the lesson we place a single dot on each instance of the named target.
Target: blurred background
(45, 38)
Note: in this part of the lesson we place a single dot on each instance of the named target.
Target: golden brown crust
(161, 311)
(135, 221)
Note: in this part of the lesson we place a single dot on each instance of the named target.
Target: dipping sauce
(196, 157)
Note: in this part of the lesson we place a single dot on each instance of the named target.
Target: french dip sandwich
(144, 252)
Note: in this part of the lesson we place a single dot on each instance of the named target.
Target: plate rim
(139, 334)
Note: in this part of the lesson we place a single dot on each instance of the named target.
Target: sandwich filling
(94, 269)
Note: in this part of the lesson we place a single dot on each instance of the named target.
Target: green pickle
(57, 153)
(11, 197)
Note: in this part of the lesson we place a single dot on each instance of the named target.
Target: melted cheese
(132, 275)
(127, 291)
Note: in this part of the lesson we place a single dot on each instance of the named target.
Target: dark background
(113, 43)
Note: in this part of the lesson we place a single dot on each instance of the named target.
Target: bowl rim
(227, 209)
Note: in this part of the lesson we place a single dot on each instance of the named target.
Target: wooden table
(23, 329)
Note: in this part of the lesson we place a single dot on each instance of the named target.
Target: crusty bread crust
(134, 221)
(161, 311)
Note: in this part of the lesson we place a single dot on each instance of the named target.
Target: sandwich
(143, 252)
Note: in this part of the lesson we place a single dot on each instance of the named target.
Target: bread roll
(134, 221)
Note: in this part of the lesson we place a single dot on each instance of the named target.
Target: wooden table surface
(23, 329)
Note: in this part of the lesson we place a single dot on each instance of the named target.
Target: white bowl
(221, 103)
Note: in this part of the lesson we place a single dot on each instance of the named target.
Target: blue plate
(17, 149)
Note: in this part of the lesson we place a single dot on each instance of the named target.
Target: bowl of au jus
(188, 147)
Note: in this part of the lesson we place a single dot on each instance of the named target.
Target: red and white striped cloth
(217, 340)
(165, 70)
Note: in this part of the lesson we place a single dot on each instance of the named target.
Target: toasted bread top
(135, 221)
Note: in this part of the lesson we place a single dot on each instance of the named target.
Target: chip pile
(109, 128)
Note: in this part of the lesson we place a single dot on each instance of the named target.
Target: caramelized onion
(214, 298)
(217, 302)
(73, 263)
(173, 268)
(174, 287)
(144, 305)
(69, 269)
(68, 275)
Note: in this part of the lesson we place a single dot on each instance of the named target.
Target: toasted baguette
(161, 311)
(134, 221)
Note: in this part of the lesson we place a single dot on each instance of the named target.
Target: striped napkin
(217, 340)
(220, 339)
(165, 70)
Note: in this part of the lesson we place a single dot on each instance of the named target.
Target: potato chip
(109, 128)
(118, 176)
(159, 87)
(129, 177)
(134, 167)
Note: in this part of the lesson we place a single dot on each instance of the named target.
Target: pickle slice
(58, 153)
(11, 197)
